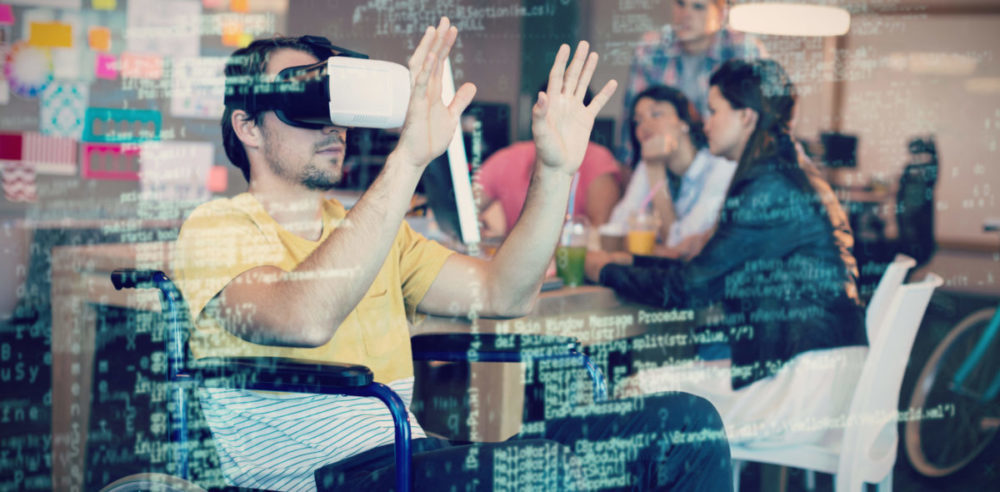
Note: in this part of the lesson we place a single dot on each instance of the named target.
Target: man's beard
(315, 179)
(311, 176)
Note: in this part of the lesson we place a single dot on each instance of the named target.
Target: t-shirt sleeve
(215, 245)
(420, 261)
(600, 161)
(597, 162)
(488, 178)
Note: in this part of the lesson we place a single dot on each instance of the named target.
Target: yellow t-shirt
(226, 237)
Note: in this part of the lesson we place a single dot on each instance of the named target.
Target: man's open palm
(560, 122)
(430, 124)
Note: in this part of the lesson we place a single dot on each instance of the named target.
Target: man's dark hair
(248, 64)
(685, 111)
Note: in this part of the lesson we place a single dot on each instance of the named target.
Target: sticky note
(141, 66)
(50, 154)
(213, 4)
(66, 63)
(239, 5)
(175, 171)
(19, 182)
(10, 146)
(113, 125)
(105, 67)
(231, 32)
(63, 107)
(218, 179)
(6, 15)
(104, 4)
(99, 38)
(110, 162)
(51, 35)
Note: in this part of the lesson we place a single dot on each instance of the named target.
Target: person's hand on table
(666, 252)
(597, 259)
(688, 248)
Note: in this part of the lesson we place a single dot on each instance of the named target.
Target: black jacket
(780, 262)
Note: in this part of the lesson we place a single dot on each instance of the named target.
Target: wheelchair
(299, 376)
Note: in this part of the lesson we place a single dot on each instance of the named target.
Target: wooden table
(81, 276)
(81, 279)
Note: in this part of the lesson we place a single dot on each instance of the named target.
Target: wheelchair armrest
(489, 347)
(280, 374)
(128, 278)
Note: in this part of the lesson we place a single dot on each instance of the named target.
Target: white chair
(878, 307)
(865, 449)
(890, 282)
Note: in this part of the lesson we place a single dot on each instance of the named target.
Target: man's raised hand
(560, 122)
(430, 124)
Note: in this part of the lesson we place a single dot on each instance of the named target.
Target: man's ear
(748, 118)
(246, 128)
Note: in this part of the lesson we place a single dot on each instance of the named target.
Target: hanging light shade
(789, 19)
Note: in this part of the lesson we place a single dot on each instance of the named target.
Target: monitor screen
(460, 195)
(437, 188)
(367, 149)
(485, 130)
(839, 149)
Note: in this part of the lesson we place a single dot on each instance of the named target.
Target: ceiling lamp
(789, 19)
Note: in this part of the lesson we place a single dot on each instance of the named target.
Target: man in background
(683, 54)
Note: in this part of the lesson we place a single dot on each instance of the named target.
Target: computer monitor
(449, 194)
(485, 130)
(839, 149)
(367, 149)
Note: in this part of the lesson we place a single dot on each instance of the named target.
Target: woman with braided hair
(780, 265)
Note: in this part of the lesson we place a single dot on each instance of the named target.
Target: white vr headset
(344, 89)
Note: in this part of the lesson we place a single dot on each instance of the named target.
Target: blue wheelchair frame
(298, 376)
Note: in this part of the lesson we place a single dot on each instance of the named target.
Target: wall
(486, 53)
(885, 97)
(931, 73)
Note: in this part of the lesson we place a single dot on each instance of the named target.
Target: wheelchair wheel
(153, 482)
(953, 428)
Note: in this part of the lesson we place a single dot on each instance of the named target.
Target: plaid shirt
(660, 60)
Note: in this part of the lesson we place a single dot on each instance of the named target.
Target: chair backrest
(868, 451)
(887, 288)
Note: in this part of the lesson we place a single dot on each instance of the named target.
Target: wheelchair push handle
(129, 278)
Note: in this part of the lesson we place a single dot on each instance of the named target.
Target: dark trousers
(671, 441)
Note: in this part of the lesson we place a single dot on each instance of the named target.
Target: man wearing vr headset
(282, 271)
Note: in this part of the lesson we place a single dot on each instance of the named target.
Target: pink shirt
(505, 176)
